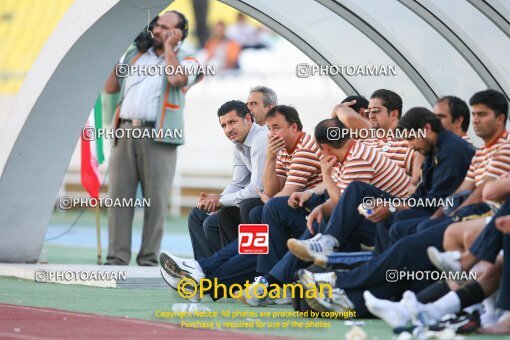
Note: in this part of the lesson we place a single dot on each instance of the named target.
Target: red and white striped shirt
(300, 166)
(396, 150)
(490, 160)
(369, 165)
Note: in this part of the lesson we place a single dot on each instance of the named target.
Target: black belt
(138, 122)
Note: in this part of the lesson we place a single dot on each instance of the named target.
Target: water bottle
(364, 212)
(189, 307)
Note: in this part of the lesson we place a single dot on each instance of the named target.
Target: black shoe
(462, 323)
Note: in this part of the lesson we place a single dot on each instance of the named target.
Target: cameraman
(152, 102)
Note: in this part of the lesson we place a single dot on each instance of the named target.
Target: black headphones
(182, 25)
(144, 40)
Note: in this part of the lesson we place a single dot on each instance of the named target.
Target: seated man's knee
(211, 223)
(250, 203)
(452, 236)
(256, 215)
(355, 186)
(408, 214)
(395, 232)
(196, 218)
(428, 223)
(195, 213)
(222, 212)
(276, 203)
(470, 236)
(399, 216)
(246, 206)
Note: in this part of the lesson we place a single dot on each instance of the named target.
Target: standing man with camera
(155, 103)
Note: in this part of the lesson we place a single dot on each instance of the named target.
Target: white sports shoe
(256, 295)
(318, 246)
(308, 278)
(174, 269)
(173, 282)
(338, 302)
(180, 268)
(326, 300)
(394, 314)
(285, 298)
(446, 261)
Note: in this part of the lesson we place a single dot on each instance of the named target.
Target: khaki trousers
(153, 165)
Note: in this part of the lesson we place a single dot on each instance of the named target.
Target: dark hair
(182, 25)
(416, 118)
(458, 108)
(495, 100)
(361, 102)
(390, 100)
(237, 105)
(291, 115)
(332, 132)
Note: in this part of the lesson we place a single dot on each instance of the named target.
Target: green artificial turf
(145, 303)
(87, 218)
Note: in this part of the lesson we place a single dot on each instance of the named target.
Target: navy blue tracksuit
(345, 222)
(487, 247)
(230, 267)
(204, 230)
(409, 253)
(443, 171)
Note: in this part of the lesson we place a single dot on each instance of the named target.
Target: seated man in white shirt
(250, 142)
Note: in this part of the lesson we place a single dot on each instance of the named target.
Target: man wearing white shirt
(250, 144)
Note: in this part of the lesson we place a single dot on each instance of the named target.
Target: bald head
(166, 23)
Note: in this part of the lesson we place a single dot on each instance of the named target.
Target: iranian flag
(92, 151)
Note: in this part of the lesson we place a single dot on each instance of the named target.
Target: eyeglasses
(374, 110)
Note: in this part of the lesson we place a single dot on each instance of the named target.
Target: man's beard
(157, 44)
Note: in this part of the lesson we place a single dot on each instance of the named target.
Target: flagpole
(98, 233)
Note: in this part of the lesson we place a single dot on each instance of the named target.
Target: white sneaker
(174, 269)
(326, 300)
(338, 302)
(308, 250)
(256, 295)
(445, 261)
(308, 278)
(393, 313)
(181, 268)
(285, 298)
(173, 282)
